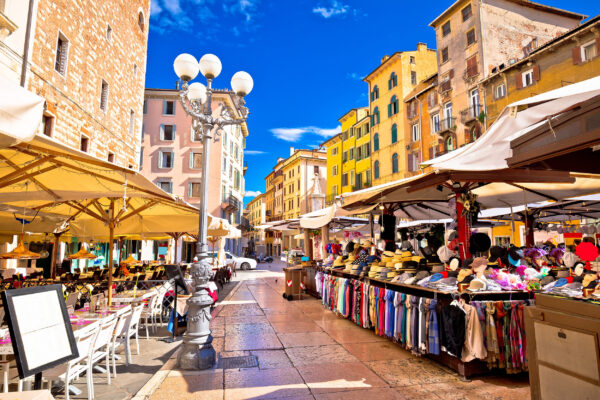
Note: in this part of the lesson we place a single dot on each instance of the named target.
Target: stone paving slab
(307, 352)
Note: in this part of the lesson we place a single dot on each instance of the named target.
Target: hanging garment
(454, 329)
(422, 347)
(473, 345)
(491, 336)
(409, 313)
(398, 316)
(391, 313)
(500, 313)
(433, 332)
(414, 322)
(403, 336)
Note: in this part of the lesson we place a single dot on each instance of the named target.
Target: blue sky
(307, 58)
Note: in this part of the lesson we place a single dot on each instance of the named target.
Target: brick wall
(73, 98)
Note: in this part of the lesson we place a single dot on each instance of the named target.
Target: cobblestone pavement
(306, 352)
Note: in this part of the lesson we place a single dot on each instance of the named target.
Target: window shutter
(410, 162)
(174, 131)
(430, 153)
(536, 73)
(191, 160)
(451, 73)
(164, 107)
(519, 81)
(390, 110)
(389, 84)
(162, 132)
(160, 159)
(576, 55)
(597, 46)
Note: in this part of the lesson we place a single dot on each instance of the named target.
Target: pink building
(171, 158)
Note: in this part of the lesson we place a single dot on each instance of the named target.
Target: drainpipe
(27, 43)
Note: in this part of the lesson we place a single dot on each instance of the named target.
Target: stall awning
(319, 218)
(21, 113)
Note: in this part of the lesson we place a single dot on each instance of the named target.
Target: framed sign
(174, 272)
(39, 328)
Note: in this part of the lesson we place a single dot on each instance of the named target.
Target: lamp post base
(197, 352)
(196, 357)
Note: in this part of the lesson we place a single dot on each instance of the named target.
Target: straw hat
(338, 262)
(477, 285)
(388, 253)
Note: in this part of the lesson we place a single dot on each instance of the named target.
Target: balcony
(445, 125)
(245, 167)
(471, 114)
(244, 225)
(229, 203)
(445, 86)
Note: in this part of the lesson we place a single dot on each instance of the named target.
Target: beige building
(171, 157)
(256, 212)
(475, 38)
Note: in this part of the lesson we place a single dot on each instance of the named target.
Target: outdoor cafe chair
(84, 339)
(72, 299)
(127, 329)
(123, 317)
(101, 349)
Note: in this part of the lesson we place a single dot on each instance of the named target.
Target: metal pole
(111, 238)
(54, 255)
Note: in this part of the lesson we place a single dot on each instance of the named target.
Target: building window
(165, 159)
(194, 189)
(449, 143)
(376, 170)
(344, 179)
(375, 116)
(195, 160)
(145, 106)
(131, 122)
(84, 143)
(334, 191)
(395, 163)
(359, 154)
(412, 60)
(104, 95)
(351, 154)
(47, 125)
(394, 133)
(413, 77)
(393, 106)
(167, 132)
(135, 69)
(375, 93)
(193, 137)
(367, 150)
(414, 132)
(444, 55)
(413, 161)
(589, 51)
(334, 151)
(471, 37)
(108, 32)
(393, 81)
(435, 123)
(376, 142)
(527, 78)
(167, 186)
(168, 107)
(111, 157)
(334, 170)
(62, 53)
(467, 13)
(141, 21)
(446, 29)
(500, 91)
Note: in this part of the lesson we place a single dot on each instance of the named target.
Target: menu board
(40, 329)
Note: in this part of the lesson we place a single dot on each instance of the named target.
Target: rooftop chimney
(292, 151)
(384, 58)
(421, 46)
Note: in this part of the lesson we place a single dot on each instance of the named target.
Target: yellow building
(389, 84)
(572, 57)
(356, 151)
(333, 148)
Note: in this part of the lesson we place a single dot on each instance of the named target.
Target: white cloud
(254, 152)
(335, 9)
(354, 75)
(295, 134)
(252, 193)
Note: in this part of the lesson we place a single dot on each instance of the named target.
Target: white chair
(128, 330)
(85, 339)
(123, 317)
(101, 348)
(148, 313)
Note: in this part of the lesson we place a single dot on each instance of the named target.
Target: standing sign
(40, 329)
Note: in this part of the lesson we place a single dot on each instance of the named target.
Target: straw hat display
(339, 262)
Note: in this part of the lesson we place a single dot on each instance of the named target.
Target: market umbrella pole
(529, 225)
(54, 255)
(111, 238)
(325, 240)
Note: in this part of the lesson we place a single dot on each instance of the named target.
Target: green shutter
(390, 110)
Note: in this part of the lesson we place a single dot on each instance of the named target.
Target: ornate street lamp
(197, 351)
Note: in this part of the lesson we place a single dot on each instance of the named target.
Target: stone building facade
(88, 60)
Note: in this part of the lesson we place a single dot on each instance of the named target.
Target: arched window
(393, 81)
(449, 143)
(376, 170)
(394, 133)
(395, 163)
(375, 117)
(393, 106)
(375, 93)
(141, 21)
(376, 142)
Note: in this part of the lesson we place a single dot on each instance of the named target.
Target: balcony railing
(230, 203)
(471, 113)
(447, 124)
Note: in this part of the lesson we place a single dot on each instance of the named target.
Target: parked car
(239, 262)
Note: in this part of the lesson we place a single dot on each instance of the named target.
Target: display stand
(174, 273)
(464, 369)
